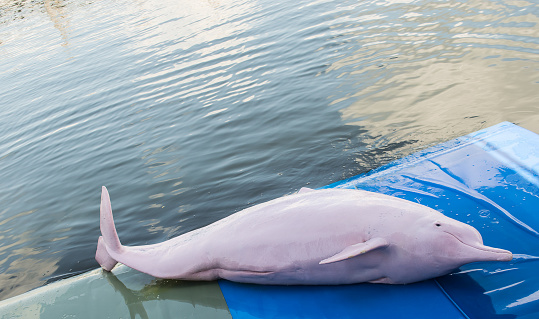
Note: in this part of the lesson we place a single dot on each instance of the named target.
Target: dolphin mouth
(487, 253)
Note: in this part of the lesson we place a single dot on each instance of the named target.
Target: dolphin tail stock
(108, 242)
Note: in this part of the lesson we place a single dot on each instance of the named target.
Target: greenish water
(189, 111)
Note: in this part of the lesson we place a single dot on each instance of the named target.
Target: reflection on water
(206, 294)
(125, 293)
(437, 66)
(58, 16)
(189, 111)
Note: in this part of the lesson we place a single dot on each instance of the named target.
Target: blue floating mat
(488, 179)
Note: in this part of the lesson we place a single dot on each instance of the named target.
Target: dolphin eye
(438, 225)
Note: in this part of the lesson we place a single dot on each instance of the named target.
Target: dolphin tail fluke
(108, 243)
(103, 257)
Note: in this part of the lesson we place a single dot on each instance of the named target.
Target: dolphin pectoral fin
(356, 250)
(304, 190)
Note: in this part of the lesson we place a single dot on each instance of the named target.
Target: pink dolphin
(314, 237)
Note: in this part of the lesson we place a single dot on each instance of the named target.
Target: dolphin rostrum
(314, 237)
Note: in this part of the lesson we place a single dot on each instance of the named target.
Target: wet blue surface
(421, 300)
(488, 179)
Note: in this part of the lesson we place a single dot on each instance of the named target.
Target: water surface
(190, 111)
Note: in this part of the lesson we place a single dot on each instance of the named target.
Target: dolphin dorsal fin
(305, 190)
(356, 250)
